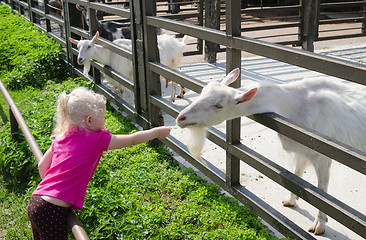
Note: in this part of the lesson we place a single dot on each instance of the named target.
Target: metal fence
(145, 18)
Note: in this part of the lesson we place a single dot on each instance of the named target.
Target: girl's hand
(120, 141)
(163, 131)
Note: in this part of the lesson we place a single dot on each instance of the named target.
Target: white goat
(331, 107)
(170, 50)
(89, 50)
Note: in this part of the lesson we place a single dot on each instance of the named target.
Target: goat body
(55, 6)
(329, 106)
(108, 30)
(170, 50)
(89, 50)
(171, 53)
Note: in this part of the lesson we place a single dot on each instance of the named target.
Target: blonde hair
(73, 108)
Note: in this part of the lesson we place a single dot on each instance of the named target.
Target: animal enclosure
(219, 32)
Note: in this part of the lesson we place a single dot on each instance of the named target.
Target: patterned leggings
(48, 221)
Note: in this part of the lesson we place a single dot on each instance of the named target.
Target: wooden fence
(145, 18)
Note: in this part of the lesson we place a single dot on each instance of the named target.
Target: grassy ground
(14, 222)
(137, 192)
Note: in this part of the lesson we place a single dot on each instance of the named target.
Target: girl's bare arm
(120, 141)
(45, 162)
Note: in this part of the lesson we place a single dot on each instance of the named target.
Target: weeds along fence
(228, 33)
(16, 121)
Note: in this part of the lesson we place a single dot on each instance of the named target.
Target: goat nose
(181, 118)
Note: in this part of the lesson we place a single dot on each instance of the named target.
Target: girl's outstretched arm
(120, 141)
(45, 162)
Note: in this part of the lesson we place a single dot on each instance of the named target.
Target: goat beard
(196, 141)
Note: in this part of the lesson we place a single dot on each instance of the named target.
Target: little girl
(68, 165)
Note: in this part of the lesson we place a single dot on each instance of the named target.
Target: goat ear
(78, 7)
(74, 41)
(95, 37)
(246, 96)
(231, 77)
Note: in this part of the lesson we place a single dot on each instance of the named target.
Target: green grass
(28, 57)
(136, 193)
(14, 223)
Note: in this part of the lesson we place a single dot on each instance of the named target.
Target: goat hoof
(180, 96)
(317, 228)
(288, 203)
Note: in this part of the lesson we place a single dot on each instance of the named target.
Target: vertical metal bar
(30, 6)
(21, 9)
(233, 60)
(200, 23)
(72, 17)
(12, 4)
(70, 57)
(310, 12)
(363, 28)
(137, 36)
(173, 7)
(152, 54)
(96, 76)
(92, 31)
(212, 20)
(93, 25)
(46, 10)
(301, 24)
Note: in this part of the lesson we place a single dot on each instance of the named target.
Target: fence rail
(145, 18)
(16, 119)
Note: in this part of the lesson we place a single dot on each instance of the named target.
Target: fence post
(152, 54)
(92, 31)
(92, 21)
(137, 36)
(309, 26)
(47, 11)
(363, 28)
(212, 20)
(12, 4)
(233, 60)
(31, 15)
(71, 18)
(200, 23)
(173, 7)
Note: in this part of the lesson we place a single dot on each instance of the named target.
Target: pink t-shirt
(75, 158)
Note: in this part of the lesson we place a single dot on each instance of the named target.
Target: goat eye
(218, 106)
(88, 47)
